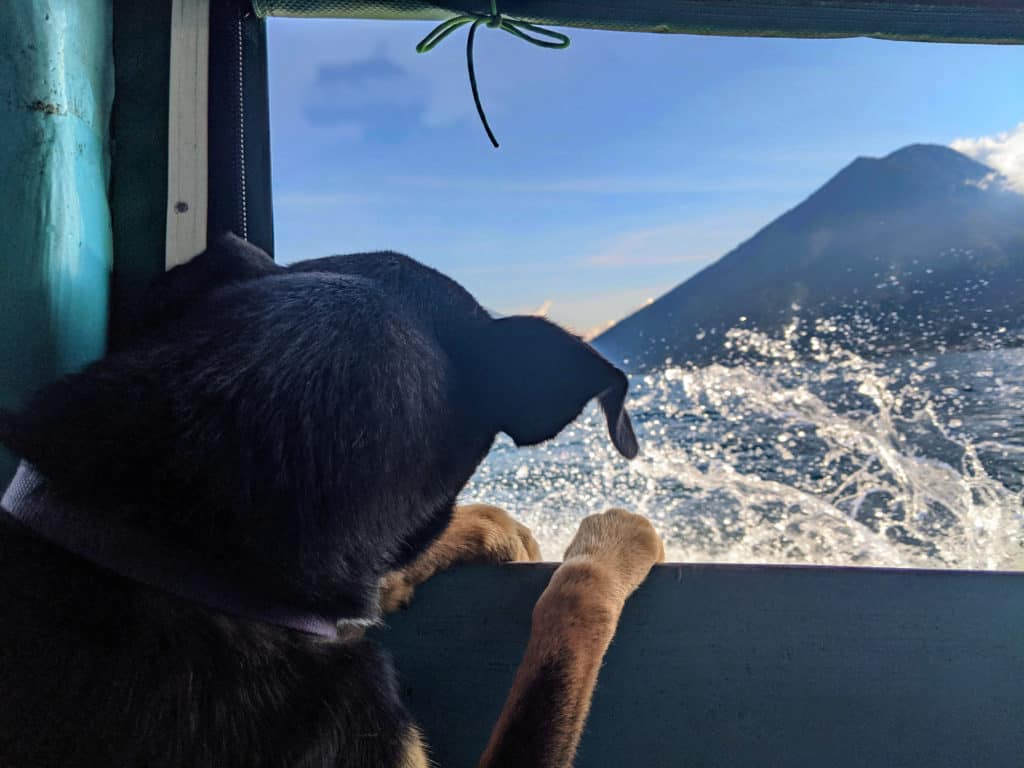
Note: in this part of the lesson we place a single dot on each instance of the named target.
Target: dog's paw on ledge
(479, 534)
(623, 544)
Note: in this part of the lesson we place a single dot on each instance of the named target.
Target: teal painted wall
(56, 89)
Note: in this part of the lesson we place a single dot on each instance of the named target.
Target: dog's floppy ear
(228, 259)
(540, 377)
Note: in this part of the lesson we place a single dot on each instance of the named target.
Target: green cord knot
(531, 33)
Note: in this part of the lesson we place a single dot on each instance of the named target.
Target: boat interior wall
(724, 665)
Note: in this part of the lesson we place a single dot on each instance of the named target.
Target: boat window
(808, 255)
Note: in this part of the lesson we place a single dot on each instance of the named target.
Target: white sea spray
(799, 451)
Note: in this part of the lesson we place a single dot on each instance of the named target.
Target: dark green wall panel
(142, 51)
(743, 666)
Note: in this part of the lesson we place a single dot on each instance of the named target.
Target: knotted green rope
(545, 38)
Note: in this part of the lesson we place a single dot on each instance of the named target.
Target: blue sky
(628, 161)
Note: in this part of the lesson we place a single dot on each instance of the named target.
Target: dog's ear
(540, 377)
(228, 259)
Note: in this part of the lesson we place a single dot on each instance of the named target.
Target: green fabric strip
(966, 21)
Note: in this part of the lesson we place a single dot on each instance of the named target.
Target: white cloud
(543, 309)
(1004, 152)
(436, 83)
(322, 200)
(658, 245)
(596, 185)
(695, 243)
(588, 313)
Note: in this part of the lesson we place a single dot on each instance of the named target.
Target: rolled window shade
(968, 21)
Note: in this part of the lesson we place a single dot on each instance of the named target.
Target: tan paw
(484, 534)
(621, 542)
(477, 534)
(395, 592)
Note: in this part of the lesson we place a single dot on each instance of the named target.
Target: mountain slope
(926, 243)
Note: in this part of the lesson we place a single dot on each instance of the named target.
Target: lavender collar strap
(144, 558)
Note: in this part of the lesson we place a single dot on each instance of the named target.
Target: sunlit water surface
(784, 458)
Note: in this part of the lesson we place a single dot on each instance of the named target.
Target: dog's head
(317, 421)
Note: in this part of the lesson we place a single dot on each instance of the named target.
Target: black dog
(196, 509)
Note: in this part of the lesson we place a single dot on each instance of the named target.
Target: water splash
(797, 451)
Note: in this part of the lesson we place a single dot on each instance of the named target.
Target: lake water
(783, 458)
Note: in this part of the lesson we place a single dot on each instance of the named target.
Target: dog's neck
(142, 557)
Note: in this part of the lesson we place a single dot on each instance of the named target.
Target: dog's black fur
(312, 424)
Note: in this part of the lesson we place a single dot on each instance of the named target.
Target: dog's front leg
(573, 624)
(477, 534)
